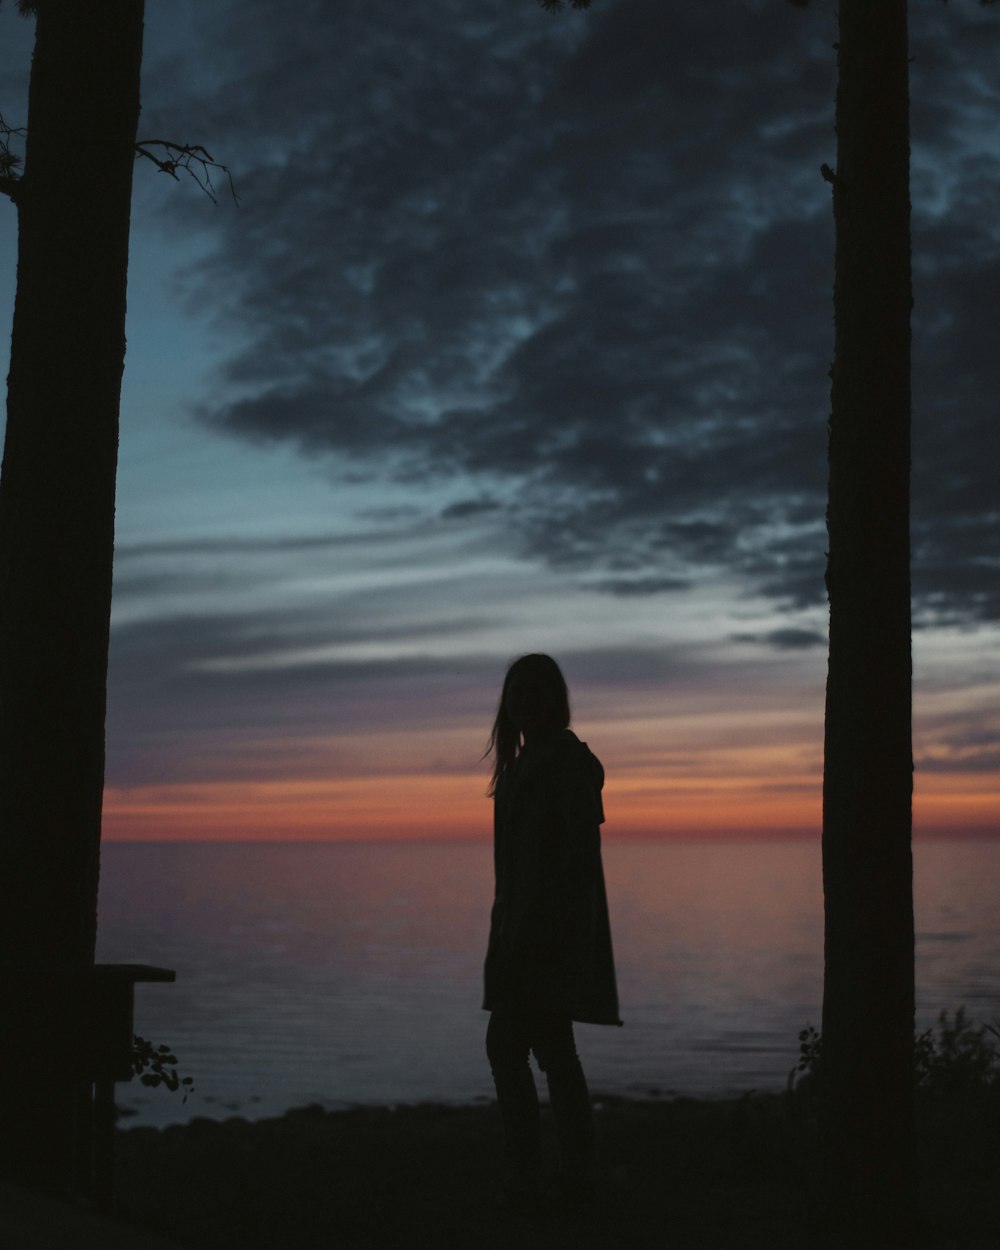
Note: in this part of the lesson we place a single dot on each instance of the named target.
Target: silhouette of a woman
(549, 960)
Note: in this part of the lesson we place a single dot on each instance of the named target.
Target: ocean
(347, 973)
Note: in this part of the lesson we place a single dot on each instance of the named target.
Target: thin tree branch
(10, 180)
(192, 158)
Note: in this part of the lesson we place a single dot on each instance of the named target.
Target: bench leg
(104, 1144)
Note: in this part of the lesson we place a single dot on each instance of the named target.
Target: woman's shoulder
(560, 755)
(575, 759)
(569, 747)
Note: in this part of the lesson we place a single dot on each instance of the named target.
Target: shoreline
(255, 1109)
(736, 1173)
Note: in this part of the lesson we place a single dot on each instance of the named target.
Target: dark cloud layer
(582, 265)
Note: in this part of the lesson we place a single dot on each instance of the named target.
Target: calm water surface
(350, 973)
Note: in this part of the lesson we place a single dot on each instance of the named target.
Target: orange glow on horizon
(352, 809)
(454, 806)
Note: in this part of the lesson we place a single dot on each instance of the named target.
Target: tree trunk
(867, 786)
(57, 495)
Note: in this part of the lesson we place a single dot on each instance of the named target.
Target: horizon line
(959, 834)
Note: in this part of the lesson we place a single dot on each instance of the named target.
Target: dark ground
(682, 1173)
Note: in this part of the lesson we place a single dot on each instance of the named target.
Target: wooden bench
(111, 1002)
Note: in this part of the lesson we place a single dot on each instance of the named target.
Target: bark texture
(867, 868)
(57, 496)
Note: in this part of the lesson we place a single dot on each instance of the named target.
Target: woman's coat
(550, 937)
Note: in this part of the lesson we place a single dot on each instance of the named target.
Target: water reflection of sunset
(301, 966)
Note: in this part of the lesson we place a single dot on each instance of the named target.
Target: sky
(518, 339)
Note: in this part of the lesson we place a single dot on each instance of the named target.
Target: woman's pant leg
(508, 1042)
(554, 1047)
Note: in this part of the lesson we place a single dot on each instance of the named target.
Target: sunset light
(499, 700)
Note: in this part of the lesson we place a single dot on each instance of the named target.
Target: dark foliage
(157, 1065)
(958, 1057)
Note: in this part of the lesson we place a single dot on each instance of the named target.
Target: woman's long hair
(505, 742)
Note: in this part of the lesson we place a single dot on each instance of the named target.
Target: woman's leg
(507, 1046)
(554, 1047)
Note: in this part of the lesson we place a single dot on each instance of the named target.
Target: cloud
(469, 507)
(643, 585)
(583, 266)
(212, 698)
(790, 639)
